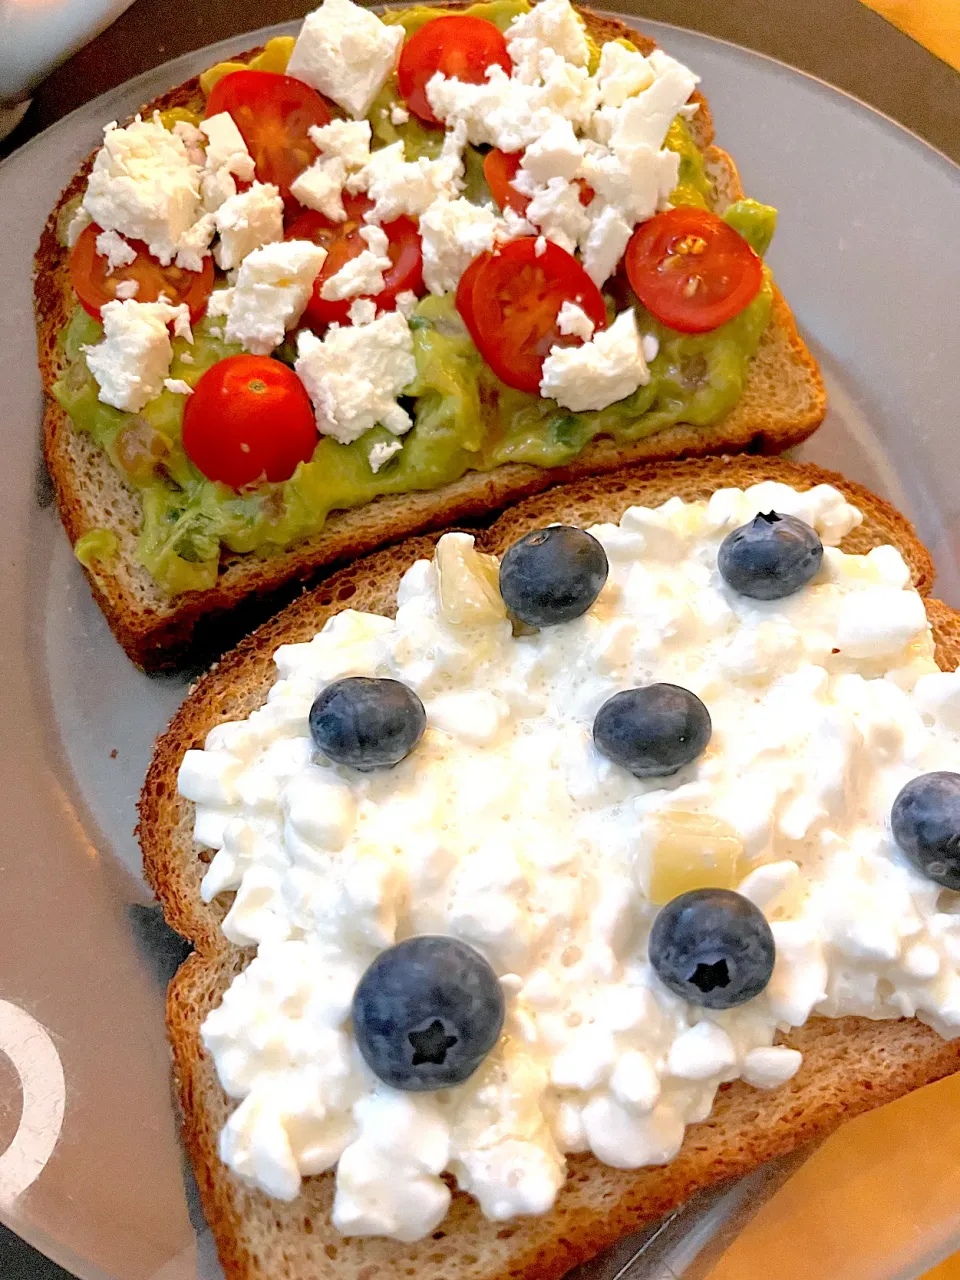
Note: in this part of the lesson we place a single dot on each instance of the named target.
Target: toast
(782, 403)
(850, 1064)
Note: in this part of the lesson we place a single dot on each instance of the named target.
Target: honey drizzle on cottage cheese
(507, 829)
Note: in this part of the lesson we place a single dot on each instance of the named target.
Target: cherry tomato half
(512, 302)
(500, 168)
(249, 419)
(464, 297)
(461, 47)
(342, 241)
(94, 287)
(691, 270)
(274, 114)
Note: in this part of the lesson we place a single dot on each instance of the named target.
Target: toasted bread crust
(782, 404)
(850, 1064)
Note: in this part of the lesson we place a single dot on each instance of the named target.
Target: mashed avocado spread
(465, 419)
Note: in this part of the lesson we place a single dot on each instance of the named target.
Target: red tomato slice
(461, 47)
(342, 241)
(94, 287)
(249, 420)
(691, 270)
(464, 298)
(500, 169)
(274, 114)
(513, 301)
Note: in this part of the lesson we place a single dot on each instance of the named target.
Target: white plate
(868, 254)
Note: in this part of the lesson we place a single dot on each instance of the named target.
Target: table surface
(839, 41)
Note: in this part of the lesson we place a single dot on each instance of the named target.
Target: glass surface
(866, 252)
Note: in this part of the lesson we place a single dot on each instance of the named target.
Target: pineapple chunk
(693, 851)
(469, 583)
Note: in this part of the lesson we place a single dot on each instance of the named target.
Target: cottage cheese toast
(850, 1064)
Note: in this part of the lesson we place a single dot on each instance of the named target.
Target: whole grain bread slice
(850, 1064)
(782, 403)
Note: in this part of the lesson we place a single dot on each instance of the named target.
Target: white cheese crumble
(362, 275)
(273, 287)
(144, 186)
(195, 244)
(247, 221)
(452, 234)
(226, 148)
(344, 146)
(78, 224)
(330, 866)
(127, 289)
(354, 375)
(132, 360)
(550, 25)
(115, 249)
(178, 386)
(572, 319)
(604, 243)
(399, 114)
(345, 52)
(607, 368)
(382, 452)
(620, 74)
(397, 186)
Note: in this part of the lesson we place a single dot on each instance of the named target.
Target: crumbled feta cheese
(399, 114)
(769, 1067)
(273, 287)
(602, 247)
(346, 53)
(133, 359)
(606, 369)
(508, 113)
(320, 187)
(78, 224)
(551, 24)
(573, 320)
(144, 186)
(356, 373)
(557, 210)
(362, 311)
(226, 148)
(397, 187)
(452, 234)
(636, 180)
(540, 246)
(115, 249)
(382, 452)
(406, 301)
(362, 275)
(178, 386)
(346, 140)
(126, 290)
(195, 243)
(247, 221)
(215, 188)
(651, 347)
(512, 226)
(622, 72)
(555, 154)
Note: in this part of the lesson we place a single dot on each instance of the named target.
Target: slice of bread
(850, 1064)
(783, 402)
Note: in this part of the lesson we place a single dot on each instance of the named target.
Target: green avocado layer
(465, 419)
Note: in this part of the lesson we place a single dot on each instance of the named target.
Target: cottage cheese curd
(507, 829)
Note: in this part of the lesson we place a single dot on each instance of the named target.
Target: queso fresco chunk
(471, 238)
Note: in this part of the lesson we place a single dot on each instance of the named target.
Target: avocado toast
(144, 537)
(850, 1063)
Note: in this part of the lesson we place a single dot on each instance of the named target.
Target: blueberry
(553, 575)
(771, 557)
(652, 731)
(713, 947)
(367, 723)
(926, 825)
(426, 1013)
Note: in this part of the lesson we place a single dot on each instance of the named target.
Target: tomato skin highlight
(458, 45)
(274, 114)
(95, 287)
(249, 420)
(511, 301)
(343, 241)
(501, 167)
(691, 270)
